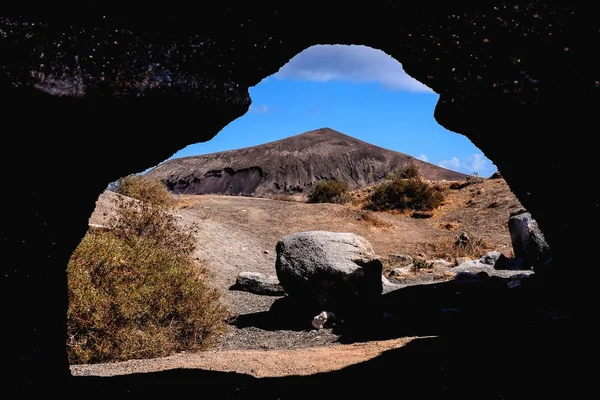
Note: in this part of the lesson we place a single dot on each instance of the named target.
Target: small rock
(401, 257)
(461, 260)
(323, 319)
(402, 271)
(257, 283)
(491, 257)
(440, 263)
(445, 275)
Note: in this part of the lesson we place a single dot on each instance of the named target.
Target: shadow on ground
(489, 341)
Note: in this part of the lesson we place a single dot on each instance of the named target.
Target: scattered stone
(402, 257)
(443, 275)
(490, 258)
(257, 283)
(401, 271)
(440, 263)
(461, 260)
(475, 266)
(462, 240)
(325, 319)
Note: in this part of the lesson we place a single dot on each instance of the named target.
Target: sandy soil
(258, 363)
(240, 233)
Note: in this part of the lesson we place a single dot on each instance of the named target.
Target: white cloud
(423, 157)
(453, 163)
(475, 163)
(260, 108)
(350, 63)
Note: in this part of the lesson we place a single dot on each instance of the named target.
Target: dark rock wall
(84, 102)
(242, 181)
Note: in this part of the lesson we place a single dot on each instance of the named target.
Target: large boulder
(331, 271)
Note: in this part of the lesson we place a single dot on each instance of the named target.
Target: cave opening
(478, 74)
(353, 96)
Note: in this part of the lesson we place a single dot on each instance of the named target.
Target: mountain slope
(290, 166)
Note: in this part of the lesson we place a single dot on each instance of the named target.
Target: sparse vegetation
(419, 264)
(469, 180)
(329, 191)
(143, 188)
(283, 197)
(134, 290)
(363, 216)
(462, 245)
(405, 194)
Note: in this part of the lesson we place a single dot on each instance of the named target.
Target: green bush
(329, 191)
(135, 290)
(405, 195)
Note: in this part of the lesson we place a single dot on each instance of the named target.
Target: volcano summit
(290, 166)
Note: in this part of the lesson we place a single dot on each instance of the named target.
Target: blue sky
(357, 90)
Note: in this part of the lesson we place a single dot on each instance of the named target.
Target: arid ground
(240, 233)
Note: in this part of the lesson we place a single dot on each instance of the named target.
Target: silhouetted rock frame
(520, 79)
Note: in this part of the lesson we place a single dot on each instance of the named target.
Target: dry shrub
(144, 188)
(329, 191)
(468, 181)
(135, 290)
(453, 247)
(405, 195)
(282, 197)
(156, 223)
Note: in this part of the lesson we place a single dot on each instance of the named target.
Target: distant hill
(290, 166)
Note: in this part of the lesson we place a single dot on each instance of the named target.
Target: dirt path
(258, 363)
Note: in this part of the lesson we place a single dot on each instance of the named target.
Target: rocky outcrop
(528, 242)
(129, 84)
(291, 166)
